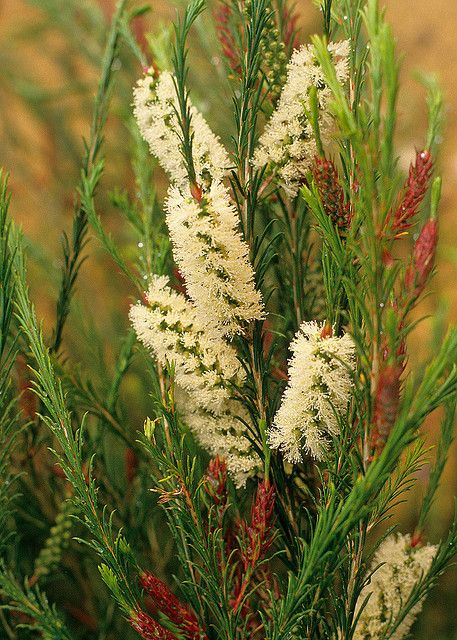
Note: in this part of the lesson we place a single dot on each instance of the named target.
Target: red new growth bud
(148, 628)
(165, 601)
(259, 532)
(327, 331)
(386, 405)
(196, 192)
(424, 253)
(225, 36)
(414, 192)
(216, 480)
(331, 193)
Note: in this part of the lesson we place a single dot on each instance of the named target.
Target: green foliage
(182, 29)
(8, 348)
(33, 605)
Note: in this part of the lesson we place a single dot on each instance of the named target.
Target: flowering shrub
(277, 283)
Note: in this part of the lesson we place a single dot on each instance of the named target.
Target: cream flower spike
(170, 328)
(397, 566)
(205, 368)
(155, 104)
(213, 258)
(222, 433)
(319, 389)
(288, 144)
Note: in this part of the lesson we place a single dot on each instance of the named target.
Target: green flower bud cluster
(273, 52)
(58, 540)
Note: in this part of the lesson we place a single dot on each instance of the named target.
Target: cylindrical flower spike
(170, 326)
(206, 367)
(213, 258)
(259, 532)
(223, 434)
(288, 145)
(207, 246)
(397, 566)
(319, 390)
(156, 109)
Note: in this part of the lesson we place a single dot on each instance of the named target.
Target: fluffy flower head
(402, 565)
(169, 326)
(213, 258)
(288, 144)
(155, 109)
(222, 433)
(206, 366)
(319, 390)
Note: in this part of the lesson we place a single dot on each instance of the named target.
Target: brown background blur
(426, 31)
(48, 73)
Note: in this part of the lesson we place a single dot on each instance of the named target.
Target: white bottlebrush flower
(205, 367)
(318, 392)
(402, 566)
(170, 328)
(213, 259)
(288, 144)
(155, 105)
(222, 433)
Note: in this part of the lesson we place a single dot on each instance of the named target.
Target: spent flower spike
(331, 193)
(216, 480)
(223, 15)
(259, 532)
(419, 271)
(386, 404)
(414, 192)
